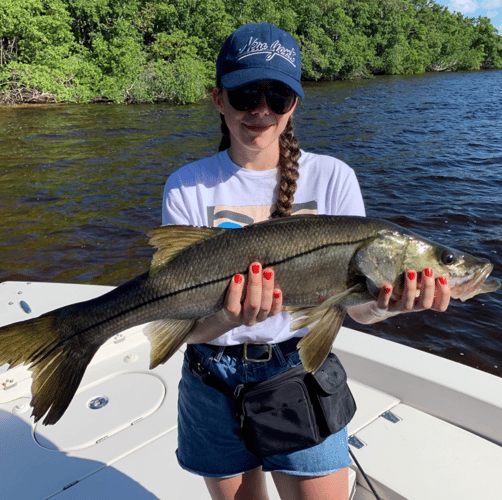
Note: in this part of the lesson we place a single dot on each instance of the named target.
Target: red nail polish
(387, 289)
(443, 280)
(428, 272)
(277, 294)
(255, 268)
(412, 275)
(267, 275)
(237, 279)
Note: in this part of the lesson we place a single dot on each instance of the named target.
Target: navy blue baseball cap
(257, 52)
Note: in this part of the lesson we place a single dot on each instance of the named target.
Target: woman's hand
(253, 300)
(248, 301)
(420, 292)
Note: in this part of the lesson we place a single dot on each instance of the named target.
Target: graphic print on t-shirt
(235, 217)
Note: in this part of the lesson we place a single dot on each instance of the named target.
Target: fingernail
(237, 279)
(255, 268)
(277, 294)
(443, 280)
(387, 289)
(428, 272)
(267, 275)
(412, 275)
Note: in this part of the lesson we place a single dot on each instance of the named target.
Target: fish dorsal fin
(171, 240)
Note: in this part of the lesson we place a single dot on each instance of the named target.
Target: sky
(475, 8)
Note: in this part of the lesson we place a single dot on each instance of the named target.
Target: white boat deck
(126, 448)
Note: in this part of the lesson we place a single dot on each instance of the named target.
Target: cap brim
(241, 77)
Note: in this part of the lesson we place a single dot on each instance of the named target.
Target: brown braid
(225, 135)
(289, 154)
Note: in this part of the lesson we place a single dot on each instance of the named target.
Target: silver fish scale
(310, 257)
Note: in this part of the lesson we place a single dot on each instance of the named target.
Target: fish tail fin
(27, 341)
(57, 367)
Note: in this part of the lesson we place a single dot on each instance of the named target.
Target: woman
(261, 173)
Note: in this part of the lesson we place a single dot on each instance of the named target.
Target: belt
(257, 352)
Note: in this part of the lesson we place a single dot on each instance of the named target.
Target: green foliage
(37, 47)
(33, 31)
(152, 50)
(183, 81)
(487, 42)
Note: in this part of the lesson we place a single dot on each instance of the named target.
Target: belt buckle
(253, 360)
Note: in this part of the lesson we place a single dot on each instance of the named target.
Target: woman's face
(254, 131)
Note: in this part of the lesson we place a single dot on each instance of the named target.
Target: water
(81, 185)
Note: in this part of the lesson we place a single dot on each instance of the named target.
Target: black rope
(364, 475)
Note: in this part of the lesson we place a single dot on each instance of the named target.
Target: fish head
(394, 251)
(468, 275)
(471, 277)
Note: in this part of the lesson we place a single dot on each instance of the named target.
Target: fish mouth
(466, 287)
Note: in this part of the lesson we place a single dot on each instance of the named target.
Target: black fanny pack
(290, 411)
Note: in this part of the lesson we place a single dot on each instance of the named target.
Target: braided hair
(289, 154)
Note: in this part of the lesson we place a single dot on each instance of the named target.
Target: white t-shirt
(216, 192)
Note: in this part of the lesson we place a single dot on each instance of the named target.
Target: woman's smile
(257, 127)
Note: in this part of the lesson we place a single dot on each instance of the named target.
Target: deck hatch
(391, 417)
(356, 442)
(103, 410)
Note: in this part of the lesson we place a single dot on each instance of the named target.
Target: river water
(81, 184)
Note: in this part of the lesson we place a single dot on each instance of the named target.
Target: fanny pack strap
(198, 370)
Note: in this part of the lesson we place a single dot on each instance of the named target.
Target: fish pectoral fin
(376, 262)
(302, 317)
(171, 240)
(166, 336)
(316, 345)
(324, 322)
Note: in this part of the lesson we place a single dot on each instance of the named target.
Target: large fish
(323, 264)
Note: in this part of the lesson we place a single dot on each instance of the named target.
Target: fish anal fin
(171, 240)
(166, 337)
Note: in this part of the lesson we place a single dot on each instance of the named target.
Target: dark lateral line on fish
(208, 283)
(226, 278)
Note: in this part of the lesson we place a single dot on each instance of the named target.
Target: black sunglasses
(280, 99)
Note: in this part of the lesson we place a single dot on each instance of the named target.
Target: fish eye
(447, 257)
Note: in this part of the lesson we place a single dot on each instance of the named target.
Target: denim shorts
(209, 442)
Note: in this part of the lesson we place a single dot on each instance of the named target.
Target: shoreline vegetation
(81, 51)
